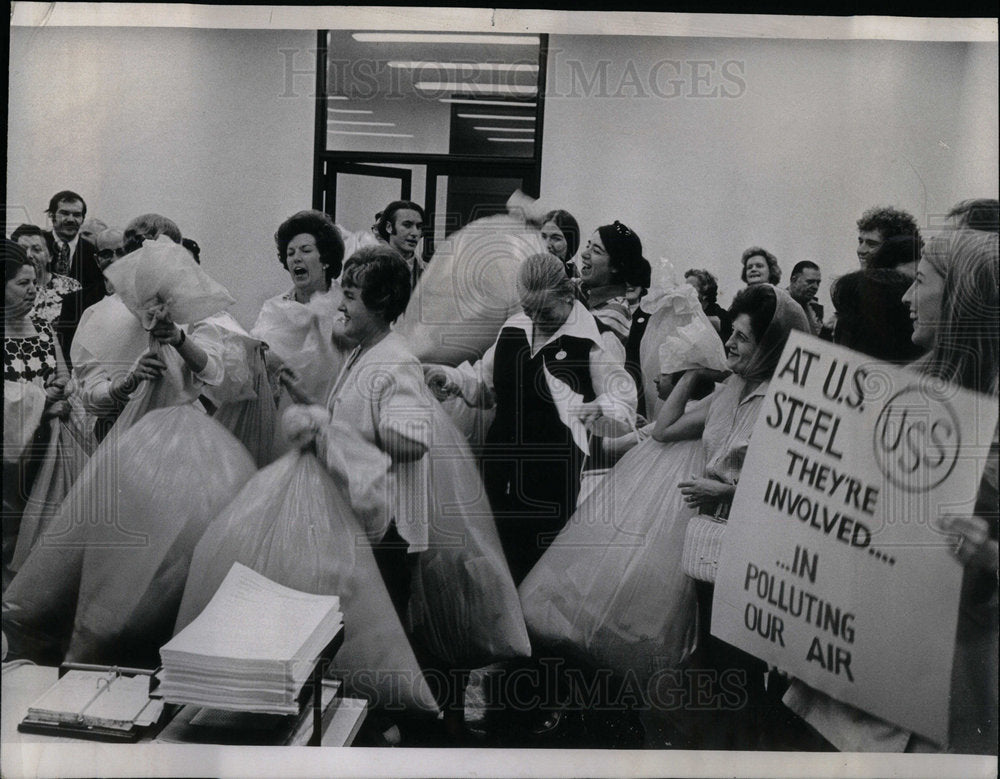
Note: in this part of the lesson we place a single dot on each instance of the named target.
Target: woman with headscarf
(611, 586)
(542, 359)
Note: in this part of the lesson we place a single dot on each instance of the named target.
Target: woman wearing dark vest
(531, 462)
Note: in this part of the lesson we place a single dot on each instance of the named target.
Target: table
(23, 684)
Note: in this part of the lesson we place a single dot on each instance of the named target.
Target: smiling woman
(760, 267)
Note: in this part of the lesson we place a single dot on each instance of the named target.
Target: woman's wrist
(123, 387)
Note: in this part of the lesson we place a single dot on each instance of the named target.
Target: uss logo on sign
(916, 440)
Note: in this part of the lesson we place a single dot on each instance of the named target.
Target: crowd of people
(123, 368)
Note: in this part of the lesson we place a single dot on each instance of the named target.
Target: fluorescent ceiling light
(349, 111)
(511, 140)
(487, 89)
(467, 101)
(498, 116)
(380, 135)
(422, 37)
(336, 97)
(489, 66)
(506, 129)
(369, 124)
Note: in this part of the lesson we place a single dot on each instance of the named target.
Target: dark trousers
(531, 500)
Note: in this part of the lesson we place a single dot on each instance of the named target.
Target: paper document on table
(104, 699)
(565, 400)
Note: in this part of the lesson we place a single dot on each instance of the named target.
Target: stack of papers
(196, 725)
(252, 648)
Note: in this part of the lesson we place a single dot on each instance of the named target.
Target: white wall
(193, 124)
(820, 131)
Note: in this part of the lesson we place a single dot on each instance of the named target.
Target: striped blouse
(615, 314)
(728, 427)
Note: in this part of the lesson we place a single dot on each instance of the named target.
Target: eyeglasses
(109, 254)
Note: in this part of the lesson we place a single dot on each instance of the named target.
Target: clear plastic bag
(291, 524)
(23, 405)
(468, 291)
(113, 561)
(610, 589)
(253, 420)
(463, 604)
(161, 278)
(683, 336)
(70, 447)
(177, 468)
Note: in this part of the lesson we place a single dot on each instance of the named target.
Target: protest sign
(835, 565)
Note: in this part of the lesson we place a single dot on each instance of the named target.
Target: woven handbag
(702, 543)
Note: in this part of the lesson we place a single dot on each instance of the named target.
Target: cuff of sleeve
(616, 409)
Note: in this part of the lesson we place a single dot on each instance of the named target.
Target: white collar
(579, 324)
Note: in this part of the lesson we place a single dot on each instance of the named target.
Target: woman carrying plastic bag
(292, 524)
(37, 395)
(630, 607)
(133, 517)
(148, 345)
(437, 526)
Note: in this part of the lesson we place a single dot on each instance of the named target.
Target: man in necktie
(62, 261)
(72, 256)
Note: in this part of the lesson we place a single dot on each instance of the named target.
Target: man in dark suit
(75, 257)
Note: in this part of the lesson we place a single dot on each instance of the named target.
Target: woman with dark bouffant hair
(305, 345)
(35, 382)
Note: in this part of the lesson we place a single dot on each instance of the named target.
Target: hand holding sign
(973, 546)
(839, 532)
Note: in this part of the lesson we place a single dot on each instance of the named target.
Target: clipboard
(96, 703)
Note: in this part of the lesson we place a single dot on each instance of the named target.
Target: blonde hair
(543, 274)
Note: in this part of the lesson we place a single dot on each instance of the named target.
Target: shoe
(551, 723)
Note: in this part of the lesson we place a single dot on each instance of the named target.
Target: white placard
(835, 567)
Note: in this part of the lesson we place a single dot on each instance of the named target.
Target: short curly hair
(773, 269)
(890, 222)
(708, 286)
(321, 227)
(383, 278)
